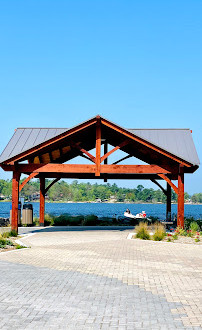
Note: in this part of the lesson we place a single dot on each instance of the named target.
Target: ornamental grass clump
(8, 234)
(159, 233)
(48, 220)
(142, 231)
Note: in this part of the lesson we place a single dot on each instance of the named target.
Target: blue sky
(137, 63)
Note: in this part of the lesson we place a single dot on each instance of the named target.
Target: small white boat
(138, 216)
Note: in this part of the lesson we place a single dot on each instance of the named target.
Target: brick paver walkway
(100, 280)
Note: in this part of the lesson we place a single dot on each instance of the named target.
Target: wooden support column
(98, 147)
(15, 198)
(106, 159)
(180, 202)
(168, 202)
(42, 201)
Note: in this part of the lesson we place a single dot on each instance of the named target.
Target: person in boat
(128, 211)
(144, 214)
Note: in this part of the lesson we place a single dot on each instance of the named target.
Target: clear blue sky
(137, 63)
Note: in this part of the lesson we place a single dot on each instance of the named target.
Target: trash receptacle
(19, 213)
(27, 214)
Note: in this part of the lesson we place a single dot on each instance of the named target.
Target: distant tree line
(81, 192)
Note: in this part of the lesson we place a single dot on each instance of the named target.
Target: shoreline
(92, 202)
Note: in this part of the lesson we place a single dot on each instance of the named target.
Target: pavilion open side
(42, 153)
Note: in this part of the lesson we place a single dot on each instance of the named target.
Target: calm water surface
(106, 209)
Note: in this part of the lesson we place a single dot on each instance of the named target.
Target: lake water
(106, 209)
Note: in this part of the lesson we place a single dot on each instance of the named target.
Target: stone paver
(100, 280)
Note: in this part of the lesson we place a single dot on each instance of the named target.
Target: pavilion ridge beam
(124, 143)
(98, 147)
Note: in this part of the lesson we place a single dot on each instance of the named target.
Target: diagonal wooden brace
(122, 144)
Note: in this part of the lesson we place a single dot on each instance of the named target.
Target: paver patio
(100, 280)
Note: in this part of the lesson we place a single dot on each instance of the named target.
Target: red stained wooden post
(15, 198)
(98, 147)
(42, 201)
(106, 159)
(180, 203)
(168, 203)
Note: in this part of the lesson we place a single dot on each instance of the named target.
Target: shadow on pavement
(27, 230)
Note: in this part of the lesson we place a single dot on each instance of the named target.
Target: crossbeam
(87, 168)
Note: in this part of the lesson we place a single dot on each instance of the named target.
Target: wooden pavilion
(44, 153)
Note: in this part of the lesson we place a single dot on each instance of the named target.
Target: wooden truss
(46, 160)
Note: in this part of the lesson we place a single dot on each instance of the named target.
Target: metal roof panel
(178, 142)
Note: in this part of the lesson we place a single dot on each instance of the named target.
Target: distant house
(2, 197)
(112, 199)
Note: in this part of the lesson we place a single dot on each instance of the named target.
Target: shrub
(188, 221)
(154, 219)
(67, 220)
(190, 233)
(105, 221)
(194, 227)
(182, 232)
(142, 231)
(36, 221)
(4, 242)
(76, 221)
(18, 246)
(159, 233)
(61, 220)
(13, 233)
(197, 239)
(48, 220)
(90, 220)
